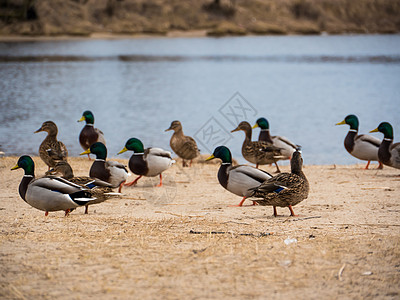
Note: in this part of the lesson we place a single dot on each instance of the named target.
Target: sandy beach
(183, 241)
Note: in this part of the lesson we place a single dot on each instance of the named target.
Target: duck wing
(368, 139)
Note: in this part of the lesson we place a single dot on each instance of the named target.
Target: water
(136, 87)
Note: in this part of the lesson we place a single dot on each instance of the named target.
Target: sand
(183, 241)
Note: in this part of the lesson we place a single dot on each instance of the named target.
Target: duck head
(262, 123)
(351, 120)
(134, 145)
(296, 163)
(99, 149)
(386, 129)
(25, 162)
(88, 117)
(222, 153)
(49, 126)
(245, 126)
(175, 126)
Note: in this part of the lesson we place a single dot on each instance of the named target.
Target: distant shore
(111, 19)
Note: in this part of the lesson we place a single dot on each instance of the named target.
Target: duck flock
(60, 190)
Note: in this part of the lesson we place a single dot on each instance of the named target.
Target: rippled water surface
(136, 87)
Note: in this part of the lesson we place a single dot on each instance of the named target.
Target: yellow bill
(123, 150)
(210, 158)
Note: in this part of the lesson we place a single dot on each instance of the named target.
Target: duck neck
(99, 170)
(349, 140)
(247, 138)
(384, 150)
(265, 136)
(223, 173)
(23, 186)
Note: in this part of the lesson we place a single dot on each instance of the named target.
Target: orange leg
(256, 166)
(120, 186)
(46, 213)
(88, 156)
(67, 212)
(160, 184)
(133, 182)
(240, 204)
(292, 212)
(366, 167)
(380, 167)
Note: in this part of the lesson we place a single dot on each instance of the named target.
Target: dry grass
(183, 241)
(56, 17)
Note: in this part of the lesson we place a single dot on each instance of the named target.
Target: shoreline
(169, 35)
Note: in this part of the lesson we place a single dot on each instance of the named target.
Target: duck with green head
(389, 153)
(109, 171)
(51, 150)
(237, 179)
(147, 162)
(258, 152)
(49, 193)
(89, 134)
(281, 142)
(285, 189)
(184, 146)
(361, 146)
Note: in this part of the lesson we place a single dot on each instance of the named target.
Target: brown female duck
(51, 150)
(285, 189)
(258, 152)
(184, 146)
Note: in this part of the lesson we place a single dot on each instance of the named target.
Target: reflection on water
(135, 88)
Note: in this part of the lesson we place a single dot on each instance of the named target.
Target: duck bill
(85, 152)
(81, 119)
(236, 129)
(375, 130)
(210, 158)
(341, 123)
(123, 150)
(168, 129)
(15, 167)
(255, 126)
(39, 130)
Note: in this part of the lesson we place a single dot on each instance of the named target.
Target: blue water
(135, 87)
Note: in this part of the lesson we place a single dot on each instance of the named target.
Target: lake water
(135, 87)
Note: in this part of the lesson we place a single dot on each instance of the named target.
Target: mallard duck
(389, 153)
(184, 146)
(99, 189)
(361, 146)
(49, 193)
(147, 162)
(237, 179)
(51, 150)
(109, 171)
(259, 152)
(89, 134)
(285, 189)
